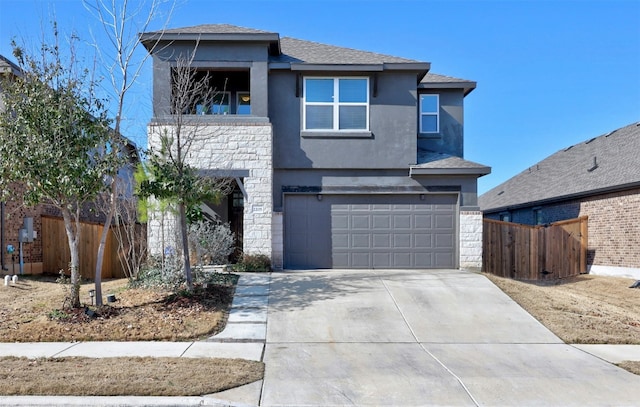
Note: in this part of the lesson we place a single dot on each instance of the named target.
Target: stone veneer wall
(227, 147)
(470, 239)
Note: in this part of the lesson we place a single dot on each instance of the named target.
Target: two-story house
(342, 158)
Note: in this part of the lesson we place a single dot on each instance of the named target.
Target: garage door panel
(422, 221)
(365, 231)
(360, 222)
(402, 240)
(382, 241)
(361, 260)
(361, 241)
(381, 222)
(444, 221)
(340, 222)
(423, 241)
(444, 241)
(402, 221)
(402, 260)
(382, 260)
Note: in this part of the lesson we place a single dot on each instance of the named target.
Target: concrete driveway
(416, 338)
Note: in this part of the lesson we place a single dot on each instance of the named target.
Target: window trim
(436, 113)
(336, 104)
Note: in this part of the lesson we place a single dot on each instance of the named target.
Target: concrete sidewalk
(378, 338)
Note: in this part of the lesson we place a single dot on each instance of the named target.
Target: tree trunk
(185, 246)
(73, 236)
(103, 242)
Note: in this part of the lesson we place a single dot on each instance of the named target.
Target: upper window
(337, 104)
(429, 114)
(537, 216)
(243, 103)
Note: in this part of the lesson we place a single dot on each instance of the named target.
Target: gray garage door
(370, 231)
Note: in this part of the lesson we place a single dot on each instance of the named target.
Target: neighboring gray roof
(436, 81)
(6, 66)
(606, 163)
(433, 163)
(301, 51)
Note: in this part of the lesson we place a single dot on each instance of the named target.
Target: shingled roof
(437, 81)
(606, 163)
(301, 51)
(434, 163)
(282, 50)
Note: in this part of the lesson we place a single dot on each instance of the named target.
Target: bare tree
(172, 176)
(122, 21)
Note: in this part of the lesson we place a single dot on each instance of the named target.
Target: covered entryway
(370, 231)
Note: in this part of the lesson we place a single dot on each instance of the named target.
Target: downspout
(4, 268)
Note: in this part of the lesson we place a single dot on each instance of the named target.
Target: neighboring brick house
(599, 178)
(342, 158)
(13, 212)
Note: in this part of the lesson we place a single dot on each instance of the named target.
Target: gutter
(577, 195)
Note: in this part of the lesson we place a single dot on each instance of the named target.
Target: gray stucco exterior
(389, 161)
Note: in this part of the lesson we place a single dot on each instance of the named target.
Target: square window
(336, 104)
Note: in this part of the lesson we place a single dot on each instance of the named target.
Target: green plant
(58, 315)
(253, 262)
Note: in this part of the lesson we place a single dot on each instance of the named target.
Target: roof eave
(479, 171)
(577, 195)
(150, 39)
(467, 87)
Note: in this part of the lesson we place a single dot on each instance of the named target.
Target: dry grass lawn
(582, 309)
(125, 376)
(32, 311)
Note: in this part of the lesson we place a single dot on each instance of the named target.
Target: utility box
(27, 226)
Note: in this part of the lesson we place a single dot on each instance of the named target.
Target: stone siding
(229, 147)
(470, 239)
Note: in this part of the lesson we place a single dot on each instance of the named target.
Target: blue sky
(550, 73)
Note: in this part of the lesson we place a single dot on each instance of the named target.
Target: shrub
(253, 262)
(212, 242)
(157, 272)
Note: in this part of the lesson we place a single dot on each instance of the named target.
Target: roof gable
(605, 163)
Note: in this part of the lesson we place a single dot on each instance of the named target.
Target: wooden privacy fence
(525, 252)
(55, 250)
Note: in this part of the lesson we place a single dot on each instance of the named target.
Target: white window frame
(436, 113)
(336, 104)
